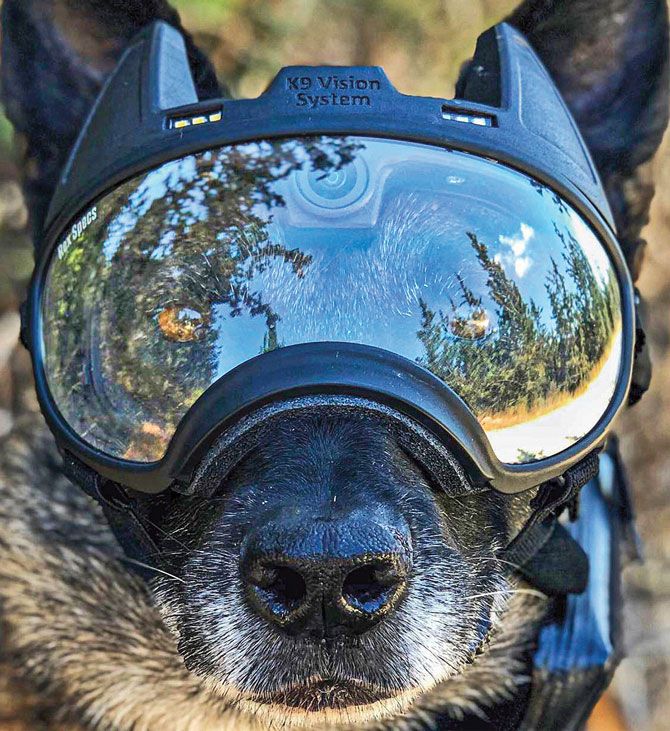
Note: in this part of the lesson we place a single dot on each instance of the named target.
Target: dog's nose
(326, 578)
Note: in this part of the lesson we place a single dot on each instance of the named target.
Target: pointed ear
(609, 58)
(56, 55)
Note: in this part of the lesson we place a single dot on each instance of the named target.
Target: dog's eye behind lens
(182, 324)
(473, 325)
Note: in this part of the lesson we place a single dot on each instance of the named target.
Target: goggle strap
(544, 552)
(134, 537)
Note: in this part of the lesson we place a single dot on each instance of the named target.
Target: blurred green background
(421, 44)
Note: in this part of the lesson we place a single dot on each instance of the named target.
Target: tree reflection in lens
(207, 208)
(540, 367)
(192, 268)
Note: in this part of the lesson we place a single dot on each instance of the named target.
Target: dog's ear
(610, 61)
(55, 56)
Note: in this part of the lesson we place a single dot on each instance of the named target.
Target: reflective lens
(482, 275)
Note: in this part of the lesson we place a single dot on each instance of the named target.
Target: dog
(88, 645)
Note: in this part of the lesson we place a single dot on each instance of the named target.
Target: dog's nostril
(280, 588)
(371, 587)
(325, 578)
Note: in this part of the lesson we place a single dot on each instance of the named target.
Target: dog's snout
(326, 578)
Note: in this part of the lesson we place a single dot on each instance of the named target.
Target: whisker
(500, 560)
(530, 592)
(135, 562)
(167, 534)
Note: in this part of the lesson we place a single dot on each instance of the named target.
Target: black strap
(134, 537)
(543, 552)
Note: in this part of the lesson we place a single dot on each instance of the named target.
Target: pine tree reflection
(199, 241)
(531, 361)
(199, 265)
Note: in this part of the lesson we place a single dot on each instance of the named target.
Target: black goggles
(332, 244)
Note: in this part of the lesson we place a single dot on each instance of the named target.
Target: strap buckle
(544, 552)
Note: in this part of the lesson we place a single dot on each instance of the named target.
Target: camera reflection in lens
(335, 188)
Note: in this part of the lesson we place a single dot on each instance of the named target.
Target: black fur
(312, 469)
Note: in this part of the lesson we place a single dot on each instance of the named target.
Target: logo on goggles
(77, 231)
(332, 84)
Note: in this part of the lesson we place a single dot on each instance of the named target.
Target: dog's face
(328, 577)
(326, 580)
